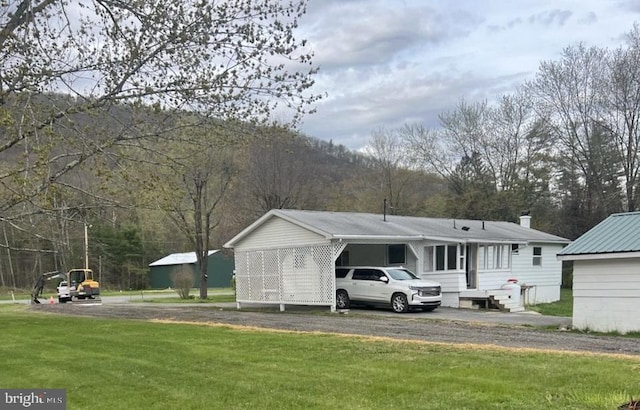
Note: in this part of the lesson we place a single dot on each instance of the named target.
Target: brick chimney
(525, 219)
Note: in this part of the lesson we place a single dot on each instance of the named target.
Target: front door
(472, 266)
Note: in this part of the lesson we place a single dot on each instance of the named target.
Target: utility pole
(86, 247)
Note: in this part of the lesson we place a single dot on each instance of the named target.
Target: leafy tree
(120, 251)
(621, 113)
(187, 177)
(390, 168)
(278, 171)
(569, 94)
(64, 63)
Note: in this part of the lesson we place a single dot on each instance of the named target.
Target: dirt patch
(402, 327)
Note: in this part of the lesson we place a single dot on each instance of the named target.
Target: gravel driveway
(433, 328)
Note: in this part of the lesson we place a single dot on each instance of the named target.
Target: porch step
(501, 298)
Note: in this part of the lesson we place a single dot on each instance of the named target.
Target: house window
(396, 254)
(515, 248)
(493, 257)
(452, 256)
(428, 259)
(482, 257)
(537, 256)
(441, 258)
(491, 262)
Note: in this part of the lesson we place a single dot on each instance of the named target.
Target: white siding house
(288, 256)
(606, 275)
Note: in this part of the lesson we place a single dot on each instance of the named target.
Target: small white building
(289, 256)
(606, 275)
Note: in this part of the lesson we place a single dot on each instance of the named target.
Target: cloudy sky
(384, 63)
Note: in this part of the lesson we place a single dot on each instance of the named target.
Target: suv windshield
(401, 274)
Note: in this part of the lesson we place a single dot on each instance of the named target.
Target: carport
(288, 256)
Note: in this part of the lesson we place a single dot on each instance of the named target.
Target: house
(219, 269)
(606, 275)
(288, 256)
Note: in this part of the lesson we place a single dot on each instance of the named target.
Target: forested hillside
(138, 199)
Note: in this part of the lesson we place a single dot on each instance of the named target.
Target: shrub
(182, 279)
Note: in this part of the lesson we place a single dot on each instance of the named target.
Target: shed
(289, 256)
(606, 275)
(219, 269)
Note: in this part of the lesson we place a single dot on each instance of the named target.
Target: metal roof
(353, 226)
(616, 234)
(178, 259)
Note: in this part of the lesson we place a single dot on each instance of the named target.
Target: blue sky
(384, 63)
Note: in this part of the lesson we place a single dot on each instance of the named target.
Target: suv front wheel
(342, 299)
(399, 303)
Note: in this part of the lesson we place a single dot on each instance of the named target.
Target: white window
(441, 258)
(537, 256)
(428, 258)
(482, 257)
(493, 257)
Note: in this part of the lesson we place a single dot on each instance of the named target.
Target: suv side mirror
(384, 279)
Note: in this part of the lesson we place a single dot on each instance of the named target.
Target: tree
(391, 162)
(62, 63)
(278, 173)
(485, 152)
(571, 95)
(621, 114)
(187, 177)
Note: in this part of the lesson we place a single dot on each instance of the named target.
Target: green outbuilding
(219, 269)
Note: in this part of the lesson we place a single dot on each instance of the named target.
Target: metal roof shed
(219, 269)
(606, 275)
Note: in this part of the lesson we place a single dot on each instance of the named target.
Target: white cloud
(385, 63)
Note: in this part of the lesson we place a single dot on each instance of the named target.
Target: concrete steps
(500, 298)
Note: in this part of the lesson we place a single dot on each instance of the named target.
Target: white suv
(393, 286)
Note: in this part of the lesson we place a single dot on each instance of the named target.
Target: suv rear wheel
(342, 299)
(399, 303)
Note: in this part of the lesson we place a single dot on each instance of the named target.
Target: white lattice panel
(296, 275)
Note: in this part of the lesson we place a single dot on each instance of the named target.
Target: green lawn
(120, 364)
(564, 307)
(5, 293)
(211, 298)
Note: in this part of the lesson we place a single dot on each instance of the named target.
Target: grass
(195, 299)
(6, 294)
(564, 307)
(112, 363)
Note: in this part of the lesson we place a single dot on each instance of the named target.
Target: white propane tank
(514, 290)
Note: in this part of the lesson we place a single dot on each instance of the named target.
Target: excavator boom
(39, 286)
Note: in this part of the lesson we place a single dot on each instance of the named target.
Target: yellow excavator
(77, 285)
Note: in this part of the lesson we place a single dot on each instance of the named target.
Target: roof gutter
(595, 256)
(378, 237)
